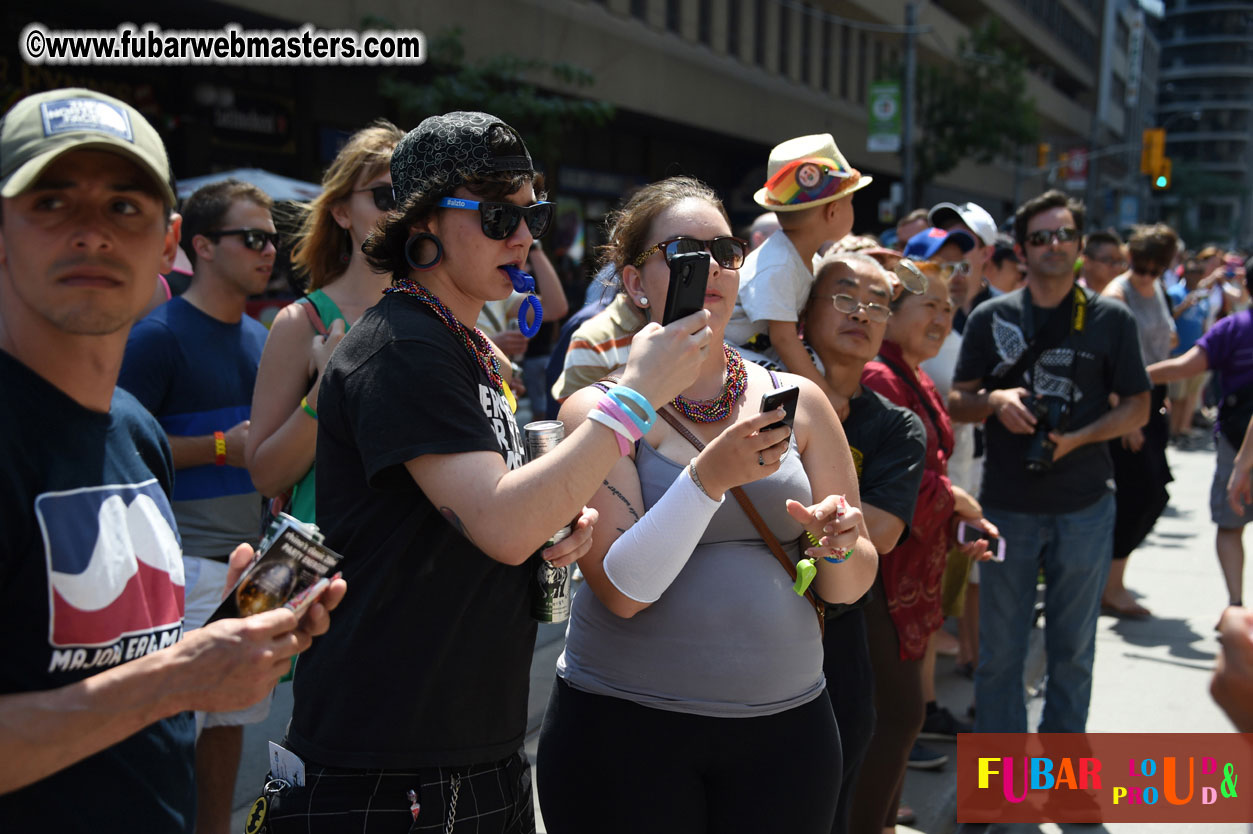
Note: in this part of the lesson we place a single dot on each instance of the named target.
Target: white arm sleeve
(643, 562)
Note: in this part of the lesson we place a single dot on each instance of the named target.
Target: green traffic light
(1161, 182)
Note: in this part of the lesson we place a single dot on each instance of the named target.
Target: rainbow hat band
(805, 172)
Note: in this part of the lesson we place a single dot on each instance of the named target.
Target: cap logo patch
(937, 233)
(79, 114)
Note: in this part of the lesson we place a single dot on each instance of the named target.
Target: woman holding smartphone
(417, 712)
(356, 194)
(690, 696)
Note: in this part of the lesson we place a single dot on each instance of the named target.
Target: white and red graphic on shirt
(115, 573)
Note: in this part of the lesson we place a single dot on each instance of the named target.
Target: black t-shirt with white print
(1108, 361)
(428, 659)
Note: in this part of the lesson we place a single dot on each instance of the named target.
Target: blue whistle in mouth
(523, 282)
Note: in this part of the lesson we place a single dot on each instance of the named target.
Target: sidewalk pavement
(1168, 657)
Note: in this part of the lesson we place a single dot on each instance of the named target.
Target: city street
(1151, 676)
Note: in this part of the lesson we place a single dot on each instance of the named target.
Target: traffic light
(1152, 150)
(1161, 178)
(1042, 154)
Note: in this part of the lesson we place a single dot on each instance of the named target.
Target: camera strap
(1052, 334)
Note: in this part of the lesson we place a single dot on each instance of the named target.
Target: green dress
(303, 498)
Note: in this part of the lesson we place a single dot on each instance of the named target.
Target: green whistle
(805, 573)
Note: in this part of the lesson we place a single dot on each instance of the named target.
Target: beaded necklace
(712, 411)
(472, 338)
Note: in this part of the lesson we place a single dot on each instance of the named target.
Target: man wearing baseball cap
(810, 186)
(975, 221)
(97, 685)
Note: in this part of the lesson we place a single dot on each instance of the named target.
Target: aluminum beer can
(550, 592)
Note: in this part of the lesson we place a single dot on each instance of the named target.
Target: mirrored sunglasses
(728, 252)
(254, 239)
(499, 220)
(1043, 237)
(384, 197)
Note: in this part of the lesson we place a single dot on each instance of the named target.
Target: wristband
(626, 397)
(691, 471)
(618, 413)
(219, 448)
(620, 432)
(304, 403)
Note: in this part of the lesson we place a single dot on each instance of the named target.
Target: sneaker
(924, 758)
(942, 725)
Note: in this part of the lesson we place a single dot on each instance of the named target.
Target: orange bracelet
(219, 448)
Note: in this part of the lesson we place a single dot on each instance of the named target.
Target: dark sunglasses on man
(1043, 237)
(499, 220)
(728, 252)
(384, 197)
(254, 239)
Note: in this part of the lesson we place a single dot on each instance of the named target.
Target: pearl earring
(643, 301)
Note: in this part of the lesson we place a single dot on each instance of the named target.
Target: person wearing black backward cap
(420, 709)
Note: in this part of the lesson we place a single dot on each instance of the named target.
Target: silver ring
(760, 460)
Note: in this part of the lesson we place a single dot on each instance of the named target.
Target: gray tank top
(1153, 319)
(729, 638)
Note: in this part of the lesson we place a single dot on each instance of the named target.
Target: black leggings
(900, 709)
(850, 683)
(609, 765)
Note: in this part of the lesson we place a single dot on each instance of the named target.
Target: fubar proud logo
(1104, 777)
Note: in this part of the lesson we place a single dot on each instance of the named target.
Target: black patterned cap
(453, 147)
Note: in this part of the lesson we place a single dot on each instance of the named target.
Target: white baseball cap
(973, 215)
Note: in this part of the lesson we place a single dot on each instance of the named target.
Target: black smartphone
(689, 273)
(785, 397)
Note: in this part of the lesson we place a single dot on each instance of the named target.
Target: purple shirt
(1229, 348)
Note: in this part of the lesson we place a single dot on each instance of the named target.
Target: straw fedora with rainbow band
(805, 172)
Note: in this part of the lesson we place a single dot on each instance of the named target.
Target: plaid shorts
(493, 798)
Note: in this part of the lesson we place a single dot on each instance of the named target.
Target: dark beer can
(550, 593)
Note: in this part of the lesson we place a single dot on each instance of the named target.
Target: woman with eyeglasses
(845, 322)
(356, 194)
(905, 605)
(417, 710)
(690, 695)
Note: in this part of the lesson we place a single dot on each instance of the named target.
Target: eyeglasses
(384, 197)
(1043, 237)
(727, 251)
(947, 270)
(254, 239)
(499, 220)
(848, 305)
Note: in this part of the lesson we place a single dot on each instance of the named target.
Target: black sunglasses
(729, 252)
(384, 197)
(1043, 237)
(499, 220)
(254, 239)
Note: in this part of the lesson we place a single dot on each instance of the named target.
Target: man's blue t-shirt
(196, 375)
(90, 577)
(1191, 322)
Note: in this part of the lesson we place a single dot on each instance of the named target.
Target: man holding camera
(1044, 361)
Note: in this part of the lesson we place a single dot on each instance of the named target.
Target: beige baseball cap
(40, 128)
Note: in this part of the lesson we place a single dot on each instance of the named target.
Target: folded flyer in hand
(293, 570)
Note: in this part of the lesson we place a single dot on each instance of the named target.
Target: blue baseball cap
(924, 245)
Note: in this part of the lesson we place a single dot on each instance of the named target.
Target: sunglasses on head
(499, 220)
(1043, 237)
(254, 239)
(384, 197)
(728, 252)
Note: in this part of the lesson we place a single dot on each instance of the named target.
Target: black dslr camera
(1051, 414)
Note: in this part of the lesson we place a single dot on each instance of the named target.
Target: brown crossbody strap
(746, 505)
